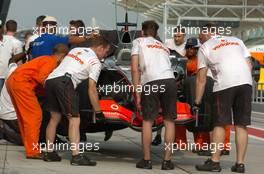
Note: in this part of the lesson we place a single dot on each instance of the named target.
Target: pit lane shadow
(114, 151)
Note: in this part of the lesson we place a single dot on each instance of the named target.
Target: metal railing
(258, 93)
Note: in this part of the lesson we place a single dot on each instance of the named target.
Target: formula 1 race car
(118, 104)
(117, 100)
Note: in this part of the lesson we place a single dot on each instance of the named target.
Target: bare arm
(93, 95)
(17, 57)
(200, 84)
(249, 62)
(135, 76)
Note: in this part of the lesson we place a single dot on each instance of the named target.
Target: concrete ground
(119, 155)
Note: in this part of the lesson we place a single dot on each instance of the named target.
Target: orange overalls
(199, 137)
(21, 86)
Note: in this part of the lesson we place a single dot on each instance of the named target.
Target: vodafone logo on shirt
(75, 57)
(157, 45)
(225, 44)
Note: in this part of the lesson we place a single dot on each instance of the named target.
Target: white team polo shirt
(30, 39)
(81, 63)
(154, 59)
(8, 46)
(226, 57)
(178, 48)
(7, 110)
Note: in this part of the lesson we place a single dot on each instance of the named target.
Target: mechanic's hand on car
(99, 116)
(195, 108)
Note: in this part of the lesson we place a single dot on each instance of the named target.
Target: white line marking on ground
(258, 128)
(250, 136)
(261, 113)
(257, 138)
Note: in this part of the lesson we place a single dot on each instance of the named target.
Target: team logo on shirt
(225, 44)
(158, 46)
(75, 57)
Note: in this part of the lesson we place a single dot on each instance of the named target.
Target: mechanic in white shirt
(8, 113)
(7, 110)
(151, 68)
(80, 64)
(11, 29)
(177, 43)
(229, 61)
(10, 47)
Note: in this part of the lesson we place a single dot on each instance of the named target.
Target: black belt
(66, 78)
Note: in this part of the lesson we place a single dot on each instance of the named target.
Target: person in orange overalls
(21, 86)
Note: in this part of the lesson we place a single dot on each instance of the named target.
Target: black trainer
(238, 168)
(157, 140)
(225, 152)
(82, 160)
(144, 164)
(167, 165)
(108, 135)
(209, 166)
(51, 157)
(83, 137)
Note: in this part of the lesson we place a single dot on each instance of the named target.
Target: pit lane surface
(119, 155)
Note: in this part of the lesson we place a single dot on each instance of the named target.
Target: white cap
(49, 19)
(0, 22)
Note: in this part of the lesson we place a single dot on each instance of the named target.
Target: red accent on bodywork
(183, 112)
(114, 111)
(119, 113)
